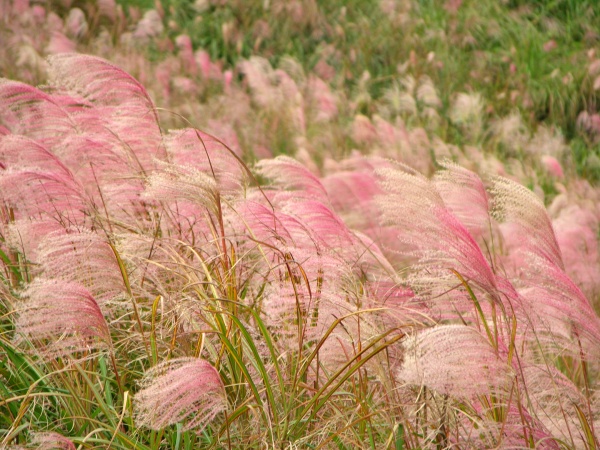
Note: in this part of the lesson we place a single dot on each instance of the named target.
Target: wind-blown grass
(179, 302)
(422, 273)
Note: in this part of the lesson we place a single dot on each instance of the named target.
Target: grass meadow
(299, 224)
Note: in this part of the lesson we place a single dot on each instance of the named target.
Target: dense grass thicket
(299, 224)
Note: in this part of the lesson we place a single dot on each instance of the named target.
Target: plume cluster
(271, 294)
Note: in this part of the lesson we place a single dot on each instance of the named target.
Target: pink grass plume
(552, 166)
(62, 318)
(52, 441)
(455, 360)
(187, 390)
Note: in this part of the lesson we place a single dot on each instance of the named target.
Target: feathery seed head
(62, 318)
(187, 390)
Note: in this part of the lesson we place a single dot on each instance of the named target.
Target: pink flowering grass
(61, 318)
(157, 290)
(188, 390)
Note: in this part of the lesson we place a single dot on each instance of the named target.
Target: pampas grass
(162, 289)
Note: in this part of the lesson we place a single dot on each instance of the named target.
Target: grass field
(299, 224)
